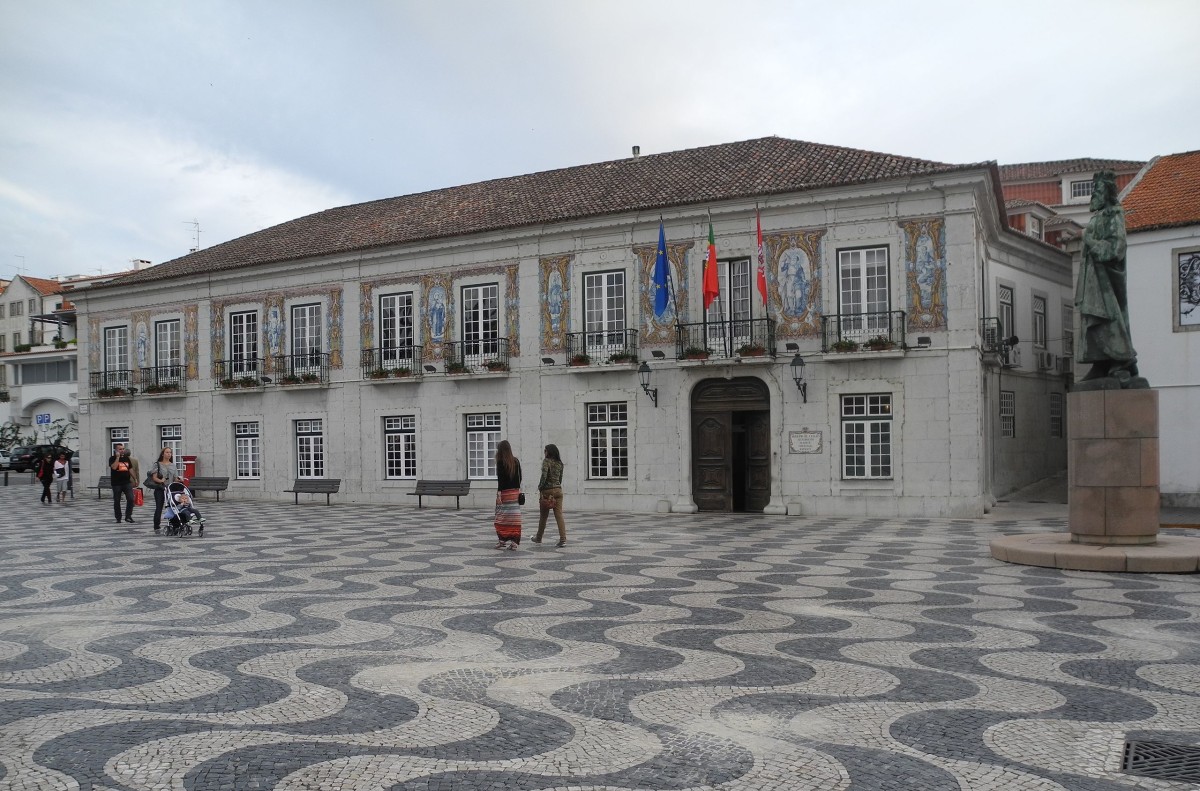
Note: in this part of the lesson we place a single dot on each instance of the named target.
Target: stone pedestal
(1112, 464)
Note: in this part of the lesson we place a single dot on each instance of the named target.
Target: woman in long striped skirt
(508, 494)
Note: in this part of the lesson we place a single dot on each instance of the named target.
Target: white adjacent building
(401, 339)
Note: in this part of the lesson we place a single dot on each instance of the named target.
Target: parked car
(4, 457)
(25, 457)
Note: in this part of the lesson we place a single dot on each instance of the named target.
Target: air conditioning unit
(1046, 361)
(1010, 357)
(991, 339)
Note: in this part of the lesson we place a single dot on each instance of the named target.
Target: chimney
(140, 263)
(637, 151)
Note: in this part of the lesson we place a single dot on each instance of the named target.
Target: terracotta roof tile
(1045, 170)
(648, 183)
(43, 286)
(1167, 195)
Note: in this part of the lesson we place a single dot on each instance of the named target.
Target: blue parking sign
(43, 419)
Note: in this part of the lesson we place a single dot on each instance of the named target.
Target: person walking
(508, 495)
(45, 474)
(164, 474)
(135, 471)
(550, 495)
(62, 476)
(121, 478)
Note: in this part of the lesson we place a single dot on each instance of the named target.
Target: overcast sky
(123, 122)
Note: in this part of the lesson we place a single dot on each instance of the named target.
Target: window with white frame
(117, 435)
(1068, 329)
(483, 435)
(306, 336)
(247, 451)
(396, 331)
(863, 293)
(1081, 189)
(480, 323)
(729, 314)
(1039, 322)
(1034, 227)
(604, 313)
(33, 305)
(1007, 324)
(116, 358)
(243, 343)
(400, 447)
(171, 436)
(1008, 414)
(867, 435)
(310, 449)
(16, 340)
(1056, 415)
(2, 309)
(608, 440)
(16, 308)
(168, 350)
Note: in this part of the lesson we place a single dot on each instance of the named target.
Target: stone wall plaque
(804, 441)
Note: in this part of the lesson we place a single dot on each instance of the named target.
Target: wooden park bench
(455, 489)
(103, 486)
(210, 484)
(325, 486)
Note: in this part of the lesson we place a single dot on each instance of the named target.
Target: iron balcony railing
(392, 362)
(881, 330)
(472, 356)
(111, 384)
(603, 345)
(304, 368)
(162, 379)
(744, 337)
(239, 373)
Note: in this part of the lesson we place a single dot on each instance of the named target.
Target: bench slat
(455, 489)
(325, 486)
(209, 484)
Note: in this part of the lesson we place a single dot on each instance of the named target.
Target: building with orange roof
(1162, 220)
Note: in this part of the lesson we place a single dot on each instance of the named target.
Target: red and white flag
(762, 262)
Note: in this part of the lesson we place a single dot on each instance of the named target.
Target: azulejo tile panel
(925, 273)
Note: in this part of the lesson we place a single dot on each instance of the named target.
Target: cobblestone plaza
(371, 647)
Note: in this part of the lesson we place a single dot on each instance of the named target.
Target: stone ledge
(1171, 555)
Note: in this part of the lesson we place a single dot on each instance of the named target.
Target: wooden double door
(731, 445)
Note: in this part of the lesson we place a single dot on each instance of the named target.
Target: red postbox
(189, 468)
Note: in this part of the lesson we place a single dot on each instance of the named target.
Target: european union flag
(661, 274)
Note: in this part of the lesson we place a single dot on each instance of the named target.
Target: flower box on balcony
(844, 345)
(111, 392)
(623, 357)
(752, 350)
(580, 359)
(879, 343)
(457, 368)
(161, 389)
(496, 366)
(695, 353)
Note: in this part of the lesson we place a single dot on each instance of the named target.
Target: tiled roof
(1046, 170)
(43, 286)
(1167, 195)
(765, 166)
(1021, 203)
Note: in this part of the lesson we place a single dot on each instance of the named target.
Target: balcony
(163, 380)
(864, 332)
(608, 346)
(121, 383)
(311, 368)
(240, 375)
(467, 357)
(392, 364)
(741, 338)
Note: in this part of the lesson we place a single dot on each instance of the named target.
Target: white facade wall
(1168, 354)
(943, 455)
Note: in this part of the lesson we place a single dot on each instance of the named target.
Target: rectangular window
(247, 452)
(118, 435)
(16, 308)
(243, 343)
(16, 340)
(863, 292)
(168, 351)
(608, 440)
(1006, 311)
(400, 447)
(1187, 312)
(45, 373)
(1081, 189)
(3, 343)
(172, 437)
(396, 330)
(1056, 415)
(33, 306)
(483, 435)
(604, 313)
(1039, 322)
(1034, 227)
(1008, 414)
(310, 449)
(867, 436)
(729, 314)
(1068, 329)
(481, 323)
(2, 308)
(306, 336)
(116, 358)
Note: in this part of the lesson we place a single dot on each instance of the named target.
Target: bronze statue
(1100, 297)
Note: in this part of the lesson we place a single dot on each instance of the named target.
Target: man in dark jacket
(121, 477)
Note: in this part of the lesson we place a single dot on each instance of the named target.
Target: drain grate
(1163, 761)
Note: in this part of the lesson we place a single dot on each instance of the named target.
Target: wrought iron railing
(240, 373)
(112, 384)
(603, 346)
(162, 379)
(304, 368)
(734, 337)
(880, 330)
(394, 362)
(474, 356)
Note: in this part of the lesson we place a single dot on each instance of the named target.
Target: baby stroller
(180, 511)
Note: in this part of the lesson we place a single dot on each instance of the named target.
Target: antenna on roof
(195, 234)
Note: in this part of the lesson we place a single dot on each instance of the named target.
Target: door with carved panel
(731, 445)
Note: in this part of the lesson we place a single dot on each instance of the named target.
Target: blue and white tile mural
(794, 281)
(555, 298)
(925, 271)
(661, 329)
